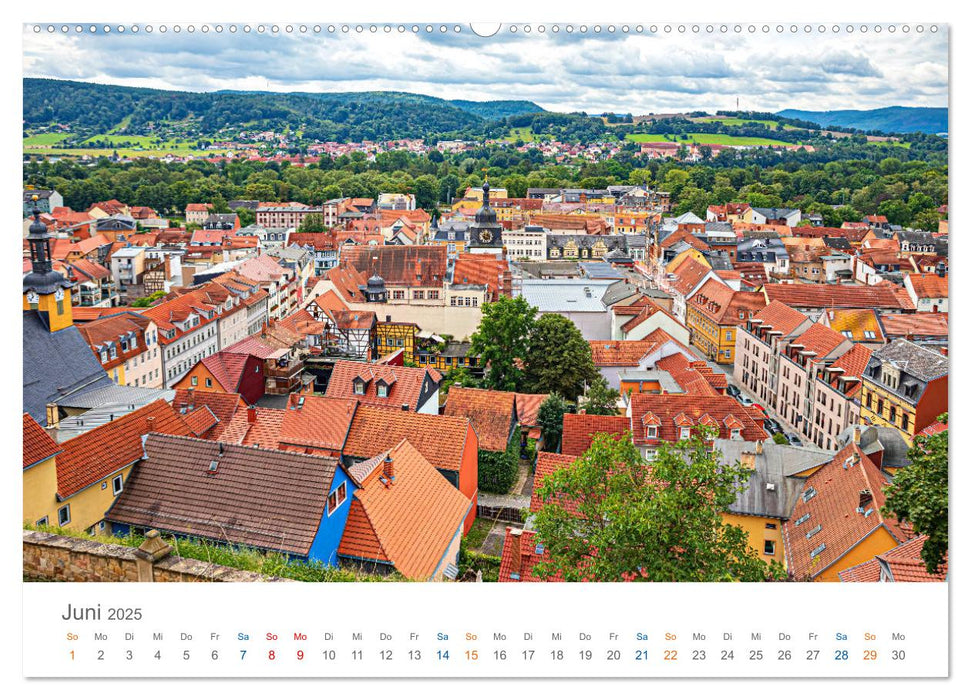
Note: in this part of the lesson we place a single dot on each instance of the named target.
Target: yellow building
(713, 316)
(397, 335)
(45, 290)
(764, 535)
(443, 358)
(904, 387)
(40, 474)
(74, 486)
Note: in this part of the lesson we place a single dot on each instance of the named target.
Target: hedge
(498, 470)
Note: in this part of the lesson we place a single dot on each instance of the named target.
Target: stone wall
(52, 557)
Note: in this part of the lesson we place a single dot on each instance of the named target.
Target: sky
(635, 72)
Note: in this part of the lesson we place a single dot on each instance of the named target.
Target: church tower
(486, 232)
(45, 289)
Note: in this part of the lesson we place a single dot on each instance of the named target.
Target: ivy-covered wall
(497, 470)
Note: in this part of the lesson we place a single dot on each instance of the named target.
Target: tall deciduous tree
(612, 517)
(601, 399)
(501, 341)
(918, 495)
(559, 359)
(550, 419)
(312, 223)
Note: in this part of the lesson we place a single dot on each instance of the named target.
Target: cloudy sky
(637, 73)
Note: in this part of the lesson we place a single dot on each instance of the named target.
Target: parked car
(771, 426)
(793, 439)
(733, 391)
(744, 400)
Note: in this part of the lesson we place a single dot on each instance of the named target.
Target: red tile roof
(408, 521)
(492, 414)
(38, 445)
(579, 430)
(527, 408)
(689, 273)
(546, 464)
(520, 552)
(920, 324)
(200, 421)
(819, 340)
(441, 439)
(781, 317)
(929, 286)
(484, 270)
(831, 498)
(100, 452)
(816, 296)
(725, 306)
(408, 265)
(316, 422)
(902, 564)
(405, 385)
(628, 353)
(264, 428)
(223, 405)
(694, 377)
(227, 368)
(687, 410)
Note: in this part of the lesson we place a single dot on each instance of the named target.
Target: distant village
(301, 392)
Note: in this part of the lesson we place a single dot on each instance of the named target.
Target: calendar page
(547, 349)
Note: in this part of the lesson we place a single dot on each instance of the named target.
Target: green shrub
(498, 470)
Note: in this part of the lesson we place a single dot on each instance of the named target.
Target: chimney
(856, 435)
(251, 415)
(149, 423)
(758, 447)
(516, 560)
(389, 467)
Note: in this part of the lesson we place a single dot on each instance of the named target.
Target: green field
(736, 121)
(712, 139)
(35, 140)
(525, 133)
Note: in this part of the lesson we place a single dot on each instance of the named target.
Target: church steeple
(486, 231)
(44, 287)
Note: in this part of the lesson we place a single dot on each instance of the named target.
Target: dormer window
(736, 434)
(652, 432)
(684, 433)
(359, 387)
(382, 390)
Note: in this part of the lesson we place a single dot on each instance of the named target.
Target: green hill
(96, 109)
(889, 120)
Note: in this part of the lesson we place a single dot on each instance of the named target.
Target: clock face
(59, 295)
(32, 298)
(486, 236)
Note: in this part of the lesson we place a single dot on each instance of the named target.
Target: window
(42, 521)
(801, 519)
(815, 531)
(336, 498)
(809, 493)
(359, 387)
(770, 526)
(116, 484)
(869, 335)
(383, 390)
(64, 515)
(736, 434)
(652, 432)
(769, 548)
(905, 421)
(195, 381)
(684, 434)
(209, 382)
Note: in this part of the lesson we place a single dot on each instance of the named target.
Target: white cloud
(645, 73)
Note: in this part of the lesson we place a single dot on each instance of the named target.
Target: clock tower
(45, 289)
(486, 232)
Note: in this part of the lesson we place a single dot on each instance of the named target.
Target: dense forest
(93, 108)
(888, 120)
(843, 181)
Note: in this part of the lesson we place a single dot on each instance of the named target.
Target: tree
(559, 359)
(501, 341)
(918, 495)
(312, 223)
(612, 517)
(247, 217)
(457, 375)
(601, 399)
(550, 417)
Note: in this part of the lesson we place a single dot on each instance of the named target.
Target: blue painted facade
(328, 539)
